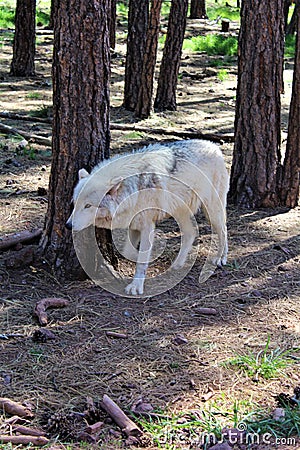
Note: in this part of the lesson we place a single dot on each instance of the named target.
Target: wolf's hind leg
(189, 233)
(130, 249)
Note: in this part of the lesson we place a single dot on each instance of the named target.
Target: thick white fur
(135, 191)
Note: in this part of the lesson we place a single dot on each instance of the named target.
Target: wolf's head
(94, 202)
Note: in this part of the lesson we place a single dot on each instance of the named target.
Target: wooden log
(28, 136)
(121, 419)
(14, 408)
(45, 303)
(21, 237)
(24, 440)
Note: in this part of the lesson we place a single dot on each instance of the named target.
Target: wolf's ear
(116, 184)
(82, 173)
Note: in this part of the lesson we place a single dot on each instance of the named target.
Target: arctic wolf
(135, 191)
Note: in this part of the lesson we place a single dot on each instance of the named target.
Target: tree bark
(81, 137)
(112, 24)
(291, 167)
(138, 16)
(22, 64)
(198, 9)
(256, 156)
(168, 75)
(144, 101)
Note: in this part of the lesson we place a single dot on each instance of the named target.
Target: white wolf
(135, 191)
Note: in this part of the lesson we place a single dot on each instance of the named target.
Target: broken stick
(14, 408)
(28, 136)
(23, 440)
(123, 421)
(45, 303)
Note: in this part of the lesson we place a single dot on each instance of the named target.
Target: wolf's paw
(136, 287)
(219, 262)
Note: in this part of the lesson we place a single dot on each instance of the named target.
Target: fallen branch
(113, 126)
(27, 431)
(184, 134)
(24, 440)
(14, 116)
(14, 408)
(21, 237)
(45, 303)
(28, 136)
(123, 421)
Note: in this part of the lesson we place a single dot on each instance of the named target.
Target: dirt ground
(172, 354)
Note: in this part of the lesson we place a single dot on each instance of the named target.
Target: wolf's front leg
(136, 287)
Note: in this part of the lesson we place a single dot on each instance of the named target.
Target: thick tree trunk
(198, 9)
(168, 75)
(22, 64)
(80, 115)
(291, 167)
(256, 156)
(144, 102)
(138, 16)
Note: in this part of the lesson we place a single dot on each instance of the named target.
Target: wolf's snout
(69, 225)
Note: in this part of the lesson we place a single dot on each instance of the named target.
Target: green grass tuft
(266, 363)
(212, 44)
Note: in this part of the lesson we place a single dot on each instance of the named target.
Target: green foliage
(288, 425)
(266, 364)
(212, 44)
(7, 17)
(290, 43)
(225, 12)
(222, 75)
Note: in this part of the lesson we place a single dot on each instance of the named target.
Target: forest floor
(174, 359)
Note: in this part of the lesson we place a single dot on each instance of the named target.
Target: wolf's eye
(87, 206)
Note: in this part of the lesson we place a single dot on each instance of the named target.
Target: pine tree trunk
(168, 75)
(81, 73)
(22, 64)
(144, 102)
(138, 16)
(256, 156)
(112, 24)
(291, 167)
(198, 9)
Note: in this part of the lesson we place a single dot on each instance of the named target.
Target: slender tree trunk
(198, 9)
(144, 102)
(81, 73)
(22, 64)
(168, 75)
(291, 167)
(112, 24)
(138, 16)
(256, 156)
